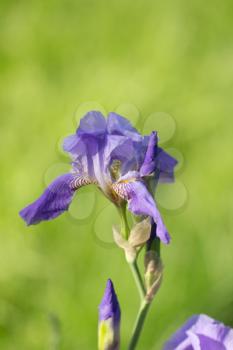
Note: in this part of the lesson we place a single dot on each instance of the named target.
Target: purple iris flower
(201, 332)
(109, 320)
(113, 155)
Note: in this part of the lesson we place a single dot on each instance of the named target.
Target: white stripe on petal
(81, 180)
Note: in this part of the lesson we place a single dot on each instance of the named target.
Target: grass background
(165, 56)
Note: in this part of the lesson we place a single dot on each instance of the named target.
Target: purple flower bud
(109, 307)
(109, 320)
(201, 332)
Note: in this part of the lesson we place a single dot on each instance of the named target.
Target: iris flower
(114, 156)
(201, 332)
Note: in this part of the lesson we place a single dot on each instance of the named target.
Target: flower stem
(124, 222)
(138, 279)
(144, 308)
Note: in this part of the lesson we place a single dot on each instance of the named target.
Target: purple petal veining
(54, 201)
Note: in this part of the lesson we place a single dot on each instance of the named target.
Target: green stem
(124, 222)
(144, 308)
(138, 279)
(125, 230)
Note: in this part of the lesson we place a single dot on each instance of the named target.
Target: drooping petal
(55, 199)
(140, 202)
(201, 332)
(149, 163)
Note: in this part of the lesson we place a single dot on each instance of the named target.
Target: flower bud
(153, 274)
(153, 264)
(109, 320)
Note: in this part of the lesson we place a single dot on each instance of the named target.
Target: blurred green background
(140, 57)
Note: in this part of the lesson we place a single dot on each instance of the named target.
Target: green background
(141, 57)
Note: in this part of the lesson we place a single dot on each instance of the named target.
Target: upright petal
(149, 163)
(157, 159)
(119, 149)
(74, 145)
(55, 199)
(93, 123)
(140, 202)
(87, 145)
(118, 125)
(91, 131)
(165, 164)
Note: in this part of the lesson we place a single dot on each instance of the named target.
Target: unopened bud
(109, 320)
(153, 274)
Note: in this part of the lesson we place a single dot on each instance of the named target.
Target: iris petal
(89, 136)
(55, 199)
(201, 332)
(149, 163)
(202, 342)
(157, 159)
(93, 123)
(118, 125)
(74, 145)
(140, 202)
(118, 147)
(166, 165)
